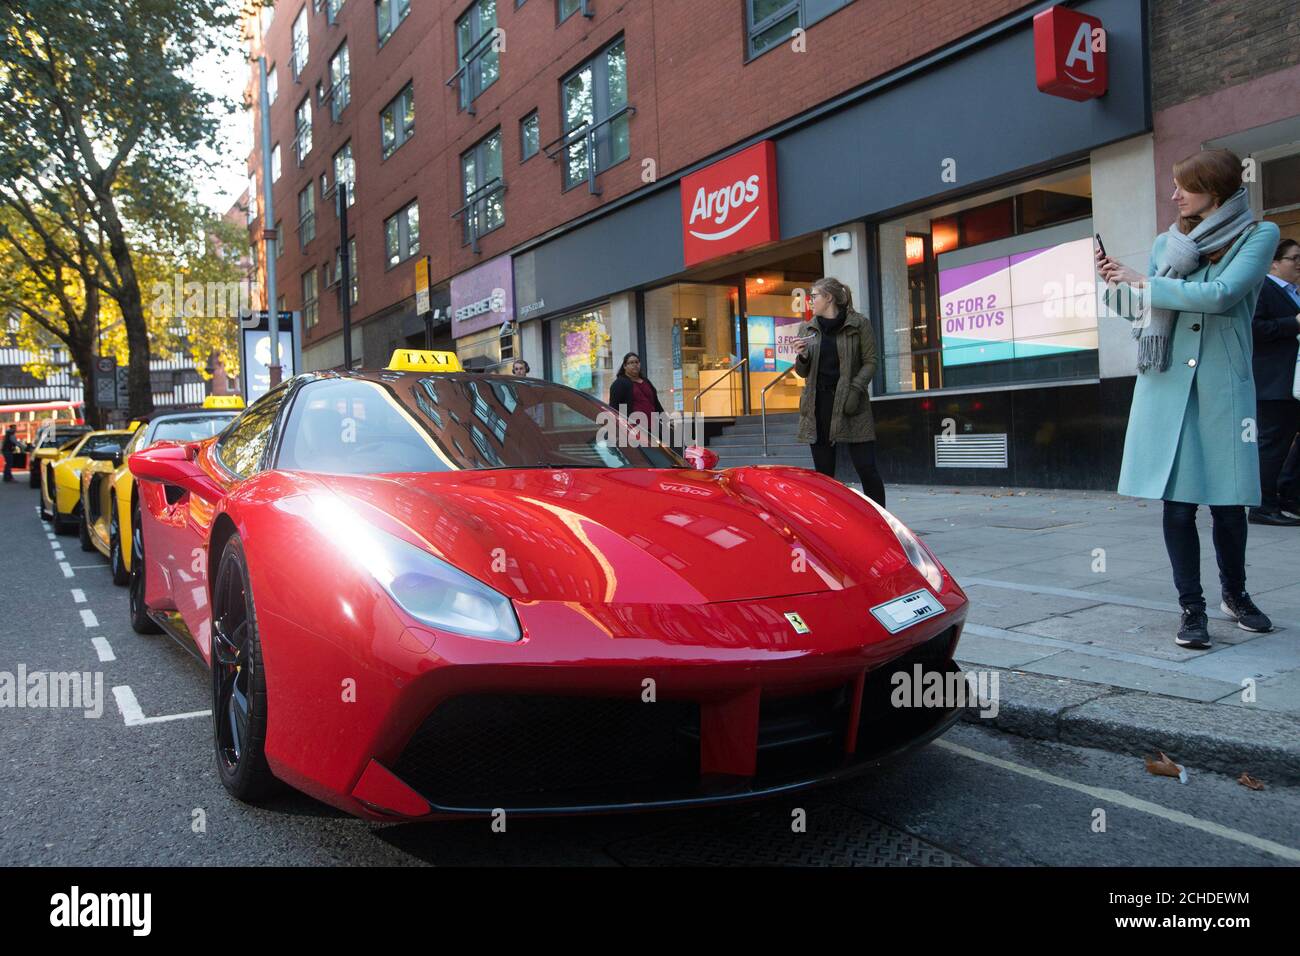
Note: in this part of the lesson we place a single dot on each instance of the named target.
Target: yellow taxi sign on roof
(422, 360)
(134, 425)
(223, 401)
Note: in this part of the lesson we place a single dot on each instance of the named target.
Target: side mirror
(175, 464)
(701, 458)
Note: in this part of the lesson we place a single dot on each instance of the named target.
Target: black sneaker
(1248, 617)
(1276, 517)
(1193, 632)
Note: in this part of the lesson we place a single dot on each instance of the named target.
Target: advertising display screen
(1032, 304)
(771, 348)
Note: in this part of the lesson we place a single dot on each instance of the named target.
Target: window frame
(300, 127)
(403, 219)
(296, 65)
(351, 180)
(483, 191)
(306, 220)
(582, 6)
(524, 155)
(481, 45)
(596, 136)
(401, 133)
(310, 306)
(340, 92)
(404, 6)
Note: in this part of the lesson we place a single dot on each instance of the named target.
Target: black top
(828, 367)
(620, 394)
(1274, 329)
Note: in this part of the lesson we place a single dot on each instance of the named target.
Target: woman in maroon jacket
(631, 392)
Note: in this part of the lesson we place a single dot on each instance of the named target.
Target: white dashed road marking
(88, 618)
(67, 569)
(59, 556)
(79, 596)
(103, 649)
(133, 716)
(1133, 803)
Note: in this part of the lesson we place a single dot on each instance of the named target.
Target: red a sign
(730, 205)
(1070, 57)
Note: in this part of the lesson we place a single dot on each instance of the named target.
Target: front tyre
(238, 682)
(83, 532)
(141, 622)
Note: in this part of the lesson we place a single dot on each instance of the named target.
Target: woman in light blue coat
(1192, 432)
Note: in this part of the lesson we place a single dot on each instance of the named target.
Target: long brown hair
(1213, 171)
(837, 290)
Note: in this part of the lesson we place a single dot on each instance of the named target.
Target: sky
(225, 75)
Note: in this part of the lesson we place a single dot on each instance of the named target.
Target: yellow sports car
(108, 502)
(52, 442)
(61, 479)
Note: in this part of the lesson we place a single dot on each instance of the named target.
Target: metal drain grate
(836, 836)
(970, 451)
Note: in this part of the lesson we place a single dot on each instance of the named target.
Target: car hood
(661, 536)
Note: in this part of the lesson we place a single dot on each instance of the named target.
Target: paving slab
(1281, 694)
(985, 651)
(1125, 674)
(998, 607)
(1134, 630)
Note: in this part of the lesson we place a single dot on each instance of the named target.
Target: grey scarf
(1180, 257)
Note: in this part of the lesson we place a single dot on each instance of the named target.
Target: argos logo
(1070, 57)
(731, 205)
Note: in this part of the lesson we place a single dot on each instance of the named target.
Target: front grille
(882, 725)
(503, 751)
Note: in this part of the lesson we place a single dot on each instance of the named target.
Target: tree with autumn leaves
(102, 125)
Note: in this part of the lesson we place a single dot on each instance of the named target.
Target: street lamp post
(268, 229)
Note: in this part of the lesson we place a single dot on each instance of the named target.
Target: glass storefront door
(692, 337)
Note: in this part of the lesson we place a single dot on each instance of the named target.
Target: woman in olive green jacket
(835, 407)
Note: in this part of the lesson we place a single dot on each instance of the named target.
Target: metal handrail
(722, 378)
(558, 147)
(762, 404)
(470, 209)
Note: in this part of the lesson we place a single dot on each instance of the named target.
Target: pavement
(1073, 608)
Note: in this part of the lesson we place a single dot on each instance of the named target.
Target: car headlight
(916, 552)
(424, 586)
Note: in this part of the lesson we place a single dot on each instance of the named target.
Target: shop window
(306, 217)
(583, 354)
(993, 291)
(309, 299)
(389, 15)
(302, 129)
(595, 117)
(397, 121)
(298, 58)
(483, 189)
(487, 351)
(692, 341)
(345, 171)
(402, 235)
(529, 136)
(340, 91)
(480, 61)
(769, 23)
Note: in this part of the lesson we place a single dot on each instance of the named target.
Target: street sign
(422, 300)
(105, 381)
(123, 390)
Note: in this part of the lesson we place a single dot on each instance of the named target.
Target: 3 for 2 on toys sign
(1070, 56)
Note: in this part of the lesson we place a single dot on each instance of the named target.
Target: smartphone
(1100, 245)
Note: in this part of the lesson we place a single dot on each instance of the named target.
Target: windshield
(449, 423)
(191, 427)
(101, 442)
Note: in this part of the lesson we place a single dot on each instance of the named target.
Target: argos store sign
(731, 205)
(1070, 54)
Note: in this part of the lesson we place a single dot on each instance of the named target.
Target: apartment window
(402, 234)
(770, 23)
(272, 84)
(567, 8)
(309, 298)
(306, 216)
(302, 129)
(397, 121)
(389, 15)
(345, 171)
(252, 198)
(480, 177)
(480, 63)
(529, 136)
(279, 240)
(332, 8)
(298, 60)
(595, 116)
(337, 275)
(275, 163)
(340, 82)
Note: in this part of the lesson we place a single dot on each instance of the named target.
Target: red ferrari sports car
(425, 593)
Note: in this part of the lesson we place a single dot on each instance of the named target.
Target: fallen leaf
(1246, 780)
(1164, 767)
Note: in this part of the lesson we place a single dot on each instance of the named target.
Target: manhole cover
(835, 837)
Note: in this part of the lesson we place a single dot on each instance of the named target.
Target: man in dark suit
(1275, 327)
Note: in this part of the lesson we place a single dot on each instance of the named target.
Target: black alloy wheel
(141, 622)
(116, 562)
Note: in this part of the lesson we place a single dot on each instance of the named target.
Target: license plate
(905, 611)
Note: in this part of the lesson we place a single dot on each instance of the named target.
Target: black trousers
(9, 464)
(1184, 546)
(1279, 420)
(862, 453)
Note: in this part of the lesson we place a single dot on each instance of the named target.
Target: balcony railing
(586, 133)
(463, 79)
(472, 211)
